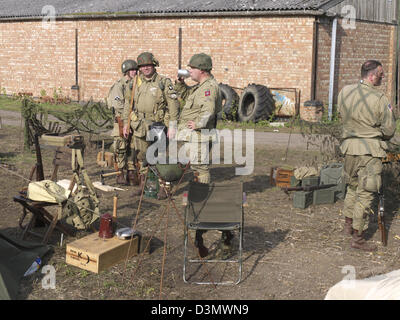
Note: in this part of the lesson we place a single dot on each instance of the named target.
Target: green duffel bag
(169, 172)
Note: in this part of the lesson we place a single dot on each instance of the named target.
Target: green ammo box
(294, 182)
(323, 196)
(332, 174)
(310, 181)
(302, 199)
(340, 191)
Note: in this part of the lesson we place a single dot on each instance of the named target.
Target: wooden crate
(96, 254)
(281, 177)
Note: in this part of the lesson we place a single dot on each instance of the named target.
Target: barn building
(312, 48)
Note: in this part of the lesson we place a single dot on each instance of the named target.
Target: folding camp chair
(39, 213)
(214, 207)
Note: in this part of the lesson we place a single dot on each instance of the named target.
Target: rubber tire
(256, 103)
(231, 98)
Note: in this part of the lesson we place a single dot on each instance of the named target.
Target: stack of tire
(255, 103)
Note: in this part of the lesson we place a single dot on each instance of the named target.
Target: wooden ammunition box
(95, 254)
(281, 177)
(302, 199)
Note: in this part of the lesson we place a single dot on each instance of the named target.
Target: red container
(106, 226)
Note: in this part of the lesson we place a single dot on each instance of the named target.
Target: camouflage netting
(94, 117)
(325, 136)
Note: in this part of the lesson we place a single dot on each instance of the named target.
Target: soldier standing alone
(368, 122)
(116, 100)
(202, 103)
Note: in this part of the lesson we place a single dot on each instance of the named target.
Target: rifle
(132, 104)
(308, 188)
(128, 140)
(381, 216)
(120, 126)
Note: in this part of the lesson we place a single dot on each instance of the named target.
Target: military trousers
(140, 146)
(363, 177)
(120, 151)
(124, 154)
(198, 153)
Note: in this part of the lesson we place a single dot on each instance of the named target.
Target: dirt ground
(288, 253)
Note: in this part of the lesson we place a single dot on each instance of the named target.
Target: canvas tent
(16, 257)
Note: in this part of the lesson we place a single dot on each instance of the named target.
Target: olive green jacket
(368, 120)
(116, 99)
(203, 102)
(117, 95)
(155, 99)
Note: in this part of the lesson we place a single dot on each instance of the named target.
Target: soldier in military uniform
(116, 100)
(368, 122)
(202, 103)
(155, 100)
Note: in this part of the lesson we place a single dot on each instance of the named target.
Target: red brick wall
(354, 46)
(273, 51)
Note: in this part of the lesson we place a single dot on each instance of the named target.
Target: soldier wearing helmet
(116, 99)
(155, 100)
(202, 103)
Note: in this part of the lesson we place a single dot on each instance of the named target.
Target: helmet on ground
(201, 61)
(146, 58)
(128, 65)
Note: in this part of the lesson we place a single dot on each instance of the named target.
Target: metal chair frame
(231, 225)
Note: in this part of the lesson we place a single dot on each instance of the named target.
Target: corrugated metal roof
(38, 8)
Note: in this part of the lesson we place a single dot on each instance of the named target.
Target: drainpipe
(397, 77)
(76, 85)
(332, 70)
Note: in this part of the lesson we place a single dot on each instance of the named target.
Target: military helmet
(201, 61)
(146, 58)
(128, 65)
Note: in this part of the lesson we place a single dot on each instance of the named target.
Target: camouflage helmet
(146, 58)
(128, 65)
(201, 61)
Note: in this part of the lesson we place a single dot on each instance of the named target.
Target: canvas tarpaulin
(16, 256)
(380, 287)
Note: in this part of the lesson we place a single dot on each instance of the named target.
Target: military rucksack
(81, 211)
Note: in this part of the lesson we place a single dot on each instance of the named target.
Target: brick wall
(354, 46)
(273, 51)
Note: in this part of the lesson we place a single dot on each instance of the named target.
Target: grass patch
(15, 104)
(10, 104)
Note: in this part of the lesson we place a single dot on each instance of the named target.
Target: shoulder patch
(390, 107)
(207, 93)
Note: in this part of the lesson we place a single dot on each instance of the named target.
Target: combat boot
(121, 178)
(133, 178)
(358, 242)
(138, 190)
(348, 226)
(199, 244)
(224, 250)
